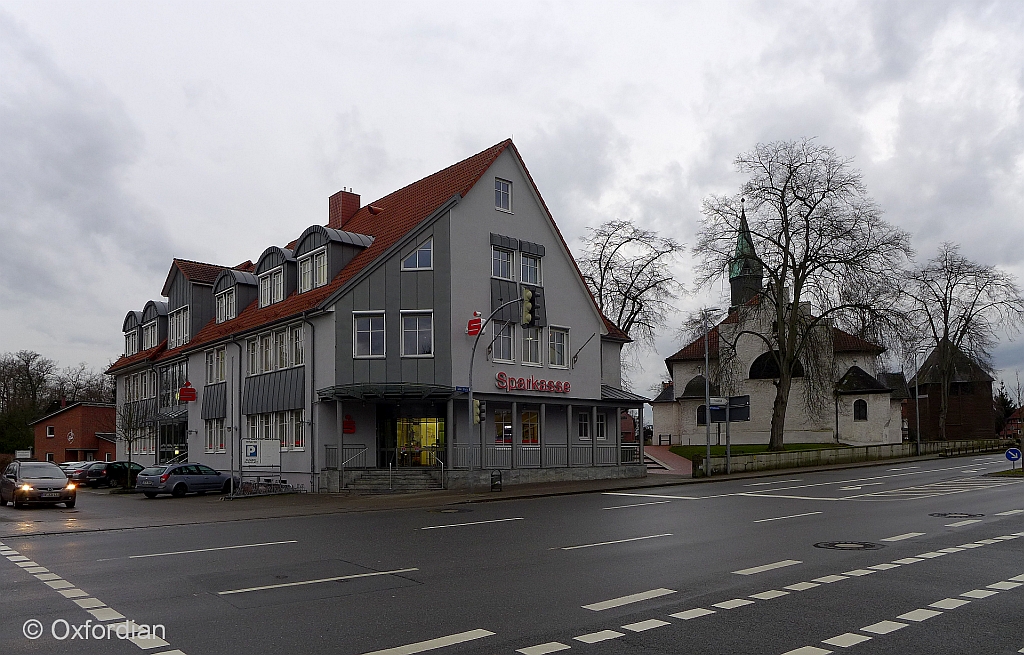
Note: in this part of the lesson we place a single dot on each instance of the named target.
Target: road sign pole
(728, 441)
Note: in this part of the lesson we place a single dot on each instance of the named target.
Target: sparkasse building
(347, 347)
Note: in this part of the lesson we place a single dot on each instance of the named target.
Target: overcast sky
(132, 132)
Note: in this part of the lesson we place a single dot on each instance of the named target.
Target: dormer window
(131, 342)
(502, 195)
(225, 302)
(149, 334)
(313, 270)
(272, 287)
(178, 327)
(422, 259)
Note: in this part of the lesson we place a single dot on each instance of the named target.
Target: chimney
(342, 207)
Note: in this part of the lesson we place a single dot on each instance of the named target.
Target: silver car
(36, 482)
(180, 479)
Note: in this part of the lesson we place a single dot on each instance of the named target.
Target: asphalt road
(729, 567)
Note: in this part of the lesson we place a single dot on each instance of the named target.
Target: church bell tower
(746, 273)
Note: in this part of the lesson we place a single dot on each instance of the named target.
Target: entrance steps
(399, 480)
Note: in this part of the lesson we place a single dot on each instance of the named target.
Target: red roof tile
(614, 332)
(695, 350)
(844, 342)
(141, 356)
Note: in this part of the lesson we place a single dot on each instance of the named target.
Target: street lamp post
(707, 391)
(917, 399)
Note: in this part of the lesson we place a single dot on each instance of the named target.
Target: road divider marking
(918, 615)
(733, 604)
(617, 541)
(951, 549)
(860, 486)
(768, 567)
(802, 586)
(1011, 512)
(907, 560)
(696, 612)
(636, 495)
(1018, 578)
(807, 650)
(431, 644)
(760, 484)
(901, 537)
(544, 649)
(317, 581)
(768, 595)
(201, 550)
(603, 635)
(949, 603)
(859, 572)
(829, 579)
(884, 567)
(791, 516)
(979, 593)
(1004, 586)
(642, 626)
(931, 555)
(459, 525)
(846, 640)
(960, 524)
(1005, 537)
(656, 502)
(626, 600)
(883, 627)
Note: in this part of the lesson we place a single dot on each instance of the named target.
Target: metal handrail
(341, 467)
(361, 452)
(442, 469)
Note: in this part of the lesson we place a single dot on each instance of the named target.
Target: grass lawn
(689, 452)
(1017, 473)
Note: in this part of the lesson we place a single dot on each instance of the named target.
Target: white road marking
(47, 576)
(459, 525)
(37, 569)
(959, 524)
(859, 572)
(201, 550)
(603, 635)
(733, 604)
(791, 516)
(59, 584)
(626, 600)
(970, 545)
(883, 627)
(1004, 586)
(987, 542)
(829, 579)
(431, 644)
(1005, 537)
(951, 549)
(931, 555)
(89, 603)
(768, 567)
(696, 612)
(768, 595)
(846, 640)
(1018, 578)
(1011, 512)
(656, 502)
(918, 615)
(636, 495)
(642, 626)
(308, 582)
(901, 537)
(544, 649)
(905, 468)
(617, 541)
(860, 486)
(764, 494)
(907, 560)
(107, 614)
(802, 586)
(949, 603)
(72, 593)
(28, 564)
(979, 593)
(759, 484)
(808, 650)
(884, 567)
(17, 558)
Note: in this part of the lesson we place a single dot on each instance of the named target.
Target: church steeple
(746, 272)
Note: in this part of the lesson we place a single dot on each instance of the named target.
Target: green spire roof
(745, 261)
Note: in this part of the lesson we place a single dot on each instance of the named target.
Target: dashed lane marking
(459, 525)
(431, 644)
(829, 579)
(884, 567)
(949, 603)
(1004, 586)
(696, 612)
(951, 549)
(642, 626)
(627, 600)
(901, 537)
(907, 560)
(761, 484)
(617, 541)
(317, 581)
(846, 640)
(802, 586)
(200, 550)
(791, 516)
(979, 593)
(918, 615)
(544, 649)
(768, 595)
(733, 604)
(931, 555)
(656, 502)
(603, 635)
(808, 650)
(960, 524)
(768, 567)
(883, 627)
(859, 572)
(1011, 512)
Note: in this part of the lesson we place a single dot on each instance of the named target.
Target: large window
(501, 347)
(149, 335)
(559, 346)
(178, 327)
(531, 270)
(225, 302)
(531, 345)
(502, 426)
(421, 259)
(417, 335)
(216, 365)
(502, 194)
(583, 426)
(215, 441)
(272, 287)
(172, 378)
(131, 342)
(501, 263)
(531, 426)
(144, 442)
(369, 335)
(313, 270)
(601, 428)
(282, 349)
(287, 427)
(272, 351)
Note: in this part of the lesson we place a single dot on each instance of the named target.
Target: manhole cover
(848, 545)
(955, 515)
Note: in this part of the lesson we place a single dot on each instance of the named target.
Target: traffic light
(527, 306)
(478, 412)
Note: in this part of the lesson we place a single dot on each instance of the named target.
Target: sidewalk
(674, 464)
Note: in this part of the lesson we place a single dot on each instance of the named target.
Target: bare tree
(815, 232)
(134, 420)
(628, 270)
(963, 304)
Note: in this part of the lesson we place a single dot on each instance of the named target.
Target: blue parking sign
(251, 450)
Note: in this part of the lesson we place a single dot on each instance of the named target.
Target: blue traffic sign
(251, 450)
(1013, 454)
(462, 389)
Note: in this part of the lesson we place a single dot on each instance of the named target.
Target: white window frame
(50, 431)
(305, 274)
(225, 305)
(554, 329)
(583, 426)
(418, 313)
(525, 360)
(271, 286)
(298, 429)
(523, 257)
(313, 270)
(511, 263)
(503, 190)
(131, 342)
(266, 352)
(252, 349)
(282, 349)
(427, 246)
(264, 283)
(500, 328)
(356, 317)
(216, 365)
(320, 268)
(601, 428)
(178, 327)
(150, 335)
(215, 441)
(298, 354)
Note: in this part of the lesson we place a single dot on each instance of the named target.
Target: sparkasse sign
(504, 381)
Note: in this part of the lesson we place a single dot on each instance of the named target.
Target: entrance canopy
(387, 392)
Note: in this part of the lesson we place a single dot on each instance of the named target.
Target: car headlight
(71, 486)
(26, 487)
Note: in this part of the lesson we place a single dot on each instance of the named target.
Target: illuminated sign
(509, 383)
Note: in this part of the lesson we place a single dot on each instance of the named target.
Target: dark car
(112, 473)
(78, 472)
(180, 479)
(36, 482)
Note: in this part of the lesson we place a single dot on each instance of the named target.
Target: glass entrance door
(173, 443)
(419, 441)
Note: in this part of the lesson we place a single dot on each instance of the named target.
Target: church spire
(745, 270)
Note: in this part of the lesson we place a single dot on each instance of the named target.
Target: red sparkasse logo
(509, 383)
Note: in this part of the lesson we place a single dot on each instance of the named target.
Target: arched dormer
(321, 253)
(154, 324)
(132, 328)
(233, 291)
(765, 368)
(275, 275)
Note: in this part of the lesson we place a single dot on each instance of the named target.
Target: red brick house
(79, 432)
(971, 414)
(1014, 427)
